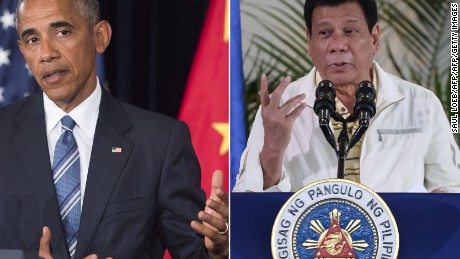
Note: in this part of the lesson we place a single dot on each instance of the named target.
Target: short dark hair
(369, 8)
(88, 9)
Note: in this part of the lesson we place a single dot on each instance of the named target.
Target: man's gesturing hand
(215, 219)
(277, 122)
(45, 252)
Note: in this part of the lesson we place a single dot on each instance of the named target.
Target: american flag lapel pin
(116, 149)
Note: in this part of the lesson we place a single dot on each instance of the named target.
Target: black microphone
(324, 107)
(364, 109)
(365, 102)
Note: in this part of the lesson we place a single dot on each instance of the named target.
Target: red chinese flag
(205, 104)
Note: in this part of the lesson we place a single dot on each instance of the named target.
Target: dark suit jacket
(136, 202)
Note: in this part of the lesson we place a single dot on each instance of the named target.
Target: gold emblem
(348, 210)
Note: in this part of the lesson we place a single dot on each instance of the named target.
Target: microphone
(365, 102)
(364, 109)
(324, 107)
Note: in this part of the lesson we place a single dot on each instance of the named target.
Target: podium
(16, 254)
(428, 223)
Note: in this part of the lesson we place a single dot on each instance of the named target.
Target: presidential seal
(335, 218)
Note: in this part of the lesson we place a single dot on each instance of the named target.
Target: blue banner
(237, 110)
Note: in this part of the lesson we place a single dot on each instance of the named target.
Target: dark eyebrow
(27, 32)
(52, 25)
(61, 24)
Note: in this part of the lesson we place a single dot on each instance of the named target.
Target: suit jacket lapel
(31, 144)
(104, 168)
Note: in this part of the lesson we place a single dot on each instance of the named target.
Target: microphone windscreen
(325, 97)
(365, 98)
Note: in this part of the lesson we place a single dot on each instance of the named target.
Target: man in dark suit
(83, 174)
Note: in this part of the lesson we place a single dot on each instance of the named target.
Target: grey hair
(88, 9)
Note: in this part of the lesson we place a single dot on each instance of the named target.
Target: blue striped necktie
(66, 175)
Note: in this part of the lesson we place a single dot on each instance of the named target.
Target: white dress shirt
(85, 115)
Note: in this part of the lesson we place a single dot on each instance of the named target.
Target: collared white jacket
(408, 146)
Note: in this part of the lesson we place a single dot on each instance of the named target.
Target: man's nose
(49, 51)
(338, 43)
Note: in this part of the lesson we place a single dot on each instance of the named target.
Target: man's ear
(375, 37)
(102, 32)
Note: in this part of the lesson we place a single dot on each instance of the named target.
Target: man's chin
(57, 95)
(342, 81)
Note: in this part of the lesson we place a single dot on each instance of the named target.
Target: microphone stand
(363, 110)
(343, 140)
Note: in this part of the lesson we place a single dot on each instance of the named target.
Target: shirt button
(350, 131)
(343, 109)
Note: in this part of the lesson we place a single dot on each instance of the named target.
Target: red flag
(205, 104)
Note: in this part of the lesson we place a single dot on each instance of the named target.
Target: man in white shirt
(408, 145)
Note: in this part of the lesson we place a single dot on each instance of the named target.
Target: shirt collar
(85, 114)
